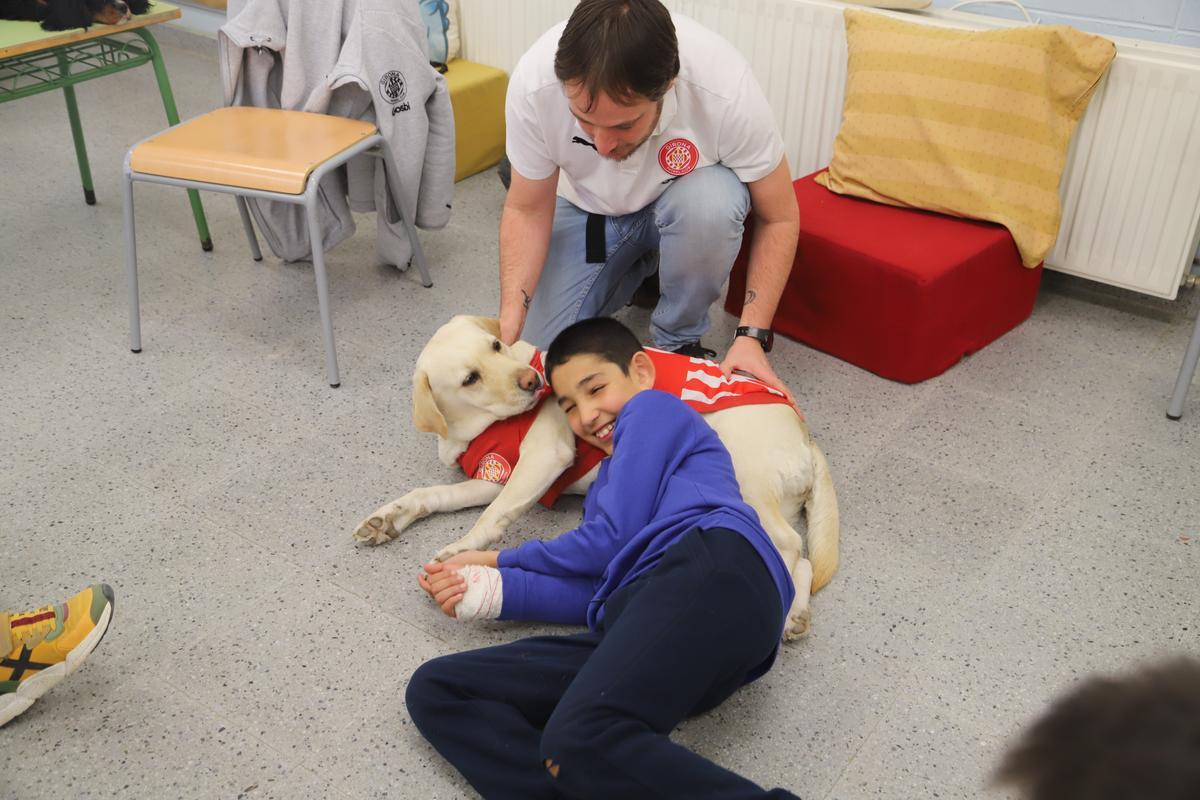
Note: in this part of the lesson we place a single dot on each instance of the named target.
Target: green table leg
(85, 171)
(164, 89)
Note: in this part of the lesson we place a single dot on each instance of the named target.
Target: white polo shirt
(715, 113)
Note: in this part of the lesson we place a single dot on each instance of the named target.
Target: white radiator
(1131, 190)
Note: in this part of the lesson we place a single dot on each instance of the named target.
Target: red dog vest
(701, 384)
(492, 454)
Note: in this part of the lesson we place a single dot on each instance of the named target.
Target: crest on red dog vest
(678, 157)
(493, 468)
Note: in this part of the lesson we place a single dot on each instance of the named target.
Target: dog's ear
(62, 15)
(426, 414)
(489, 324)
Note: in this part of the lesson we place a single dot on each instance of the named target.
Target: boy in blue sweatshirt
(681, 589)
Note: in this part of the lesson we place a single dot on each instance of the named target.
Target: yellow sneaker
(42, 647)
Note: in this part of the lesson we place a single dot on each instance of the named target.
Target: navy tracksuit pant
(674, 643)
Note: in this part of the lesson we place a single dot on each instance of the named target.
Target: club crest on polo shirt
(493, 468)
(394, 88)
(678, 157)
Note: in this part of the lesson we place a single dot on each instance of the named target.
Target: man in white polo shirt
(633, 131)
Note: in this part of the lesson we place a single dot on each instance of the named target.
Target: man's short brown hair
(624, 48)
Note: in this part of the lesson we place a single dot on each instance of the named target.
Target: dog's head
(466, 379)
(67, 14)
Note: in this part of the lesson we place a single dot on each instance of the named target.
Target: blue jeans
(673, 643)
(696, 227)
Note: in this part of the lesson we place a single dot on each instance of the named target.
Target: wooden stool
(263, 153)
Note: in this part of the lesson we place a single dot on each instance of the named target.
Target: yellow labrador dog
(466, 379)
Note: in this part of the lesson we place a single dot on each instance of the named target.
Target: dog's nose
(529, 380)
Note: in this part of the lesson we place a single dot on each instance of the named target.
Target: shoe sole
(15, 703)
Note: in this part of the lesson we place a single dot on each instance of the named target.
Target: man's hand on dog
(511, 321)
(746, 355)
(441, 580)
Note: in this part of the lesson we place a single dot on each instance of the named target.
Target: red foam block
(903, 293)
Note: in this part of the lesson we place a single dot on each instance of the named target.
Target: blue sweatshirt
(669, 473)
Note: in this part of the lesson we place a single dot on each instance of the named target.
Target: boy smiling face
(592, 391)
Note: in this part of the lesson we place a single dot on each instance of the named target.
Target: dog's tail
(821, 509)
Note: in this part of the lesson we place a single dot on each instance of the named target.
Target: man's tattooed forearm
(525, 302)
(750, 296)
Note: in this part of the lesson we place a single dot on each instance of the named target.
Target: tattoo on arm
(751, 295)
(525, 302)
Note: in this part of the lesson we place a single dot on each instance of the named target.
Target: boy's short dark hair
(602, 337)
(1114, 739)
(623, 48)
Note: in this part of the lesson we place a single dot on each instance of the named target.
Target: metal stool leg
(318, 258)
(135, 316)
(248, 224)
(1187, 370)
(168, 99)
(85, 172)
(418, 255)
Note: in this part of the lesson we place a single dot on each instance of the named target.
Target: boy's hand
(464, 591)
(484, 558)
(442, 582)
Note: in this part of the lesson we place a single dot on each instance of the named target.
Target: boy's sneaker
(40, 648)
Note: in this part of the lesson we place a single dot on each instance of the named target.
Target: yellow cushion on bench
(477, 94)
(970, 123)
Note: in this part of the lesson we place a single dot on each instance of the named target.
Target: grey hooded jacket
(364, 59)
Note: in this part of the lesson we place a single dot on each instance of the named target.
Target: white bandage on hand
(484, 595)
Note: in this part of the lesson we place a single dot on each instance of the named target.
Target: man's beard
(646, 138)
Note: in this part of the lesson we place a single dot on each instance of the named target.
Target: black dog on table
(61, 15)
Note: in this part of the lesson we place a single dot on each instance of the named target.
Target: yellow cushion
(970, 123)
(477, 94)
(253, 148)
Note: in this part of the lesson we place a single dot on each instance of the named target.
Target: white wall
(1167, 21)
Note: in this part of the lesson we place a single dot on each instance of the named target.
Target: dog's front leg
(546, 452)
(388, 521)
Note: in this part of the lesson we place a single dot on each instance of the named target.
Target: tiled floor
(1022, 521)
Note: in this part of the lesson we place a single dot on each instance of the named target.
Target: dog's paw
(451, 550)
(798, 624)
(376, 529)
(389, 521)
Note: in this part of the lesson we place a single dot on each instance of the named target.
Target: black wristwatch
(765, 336)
